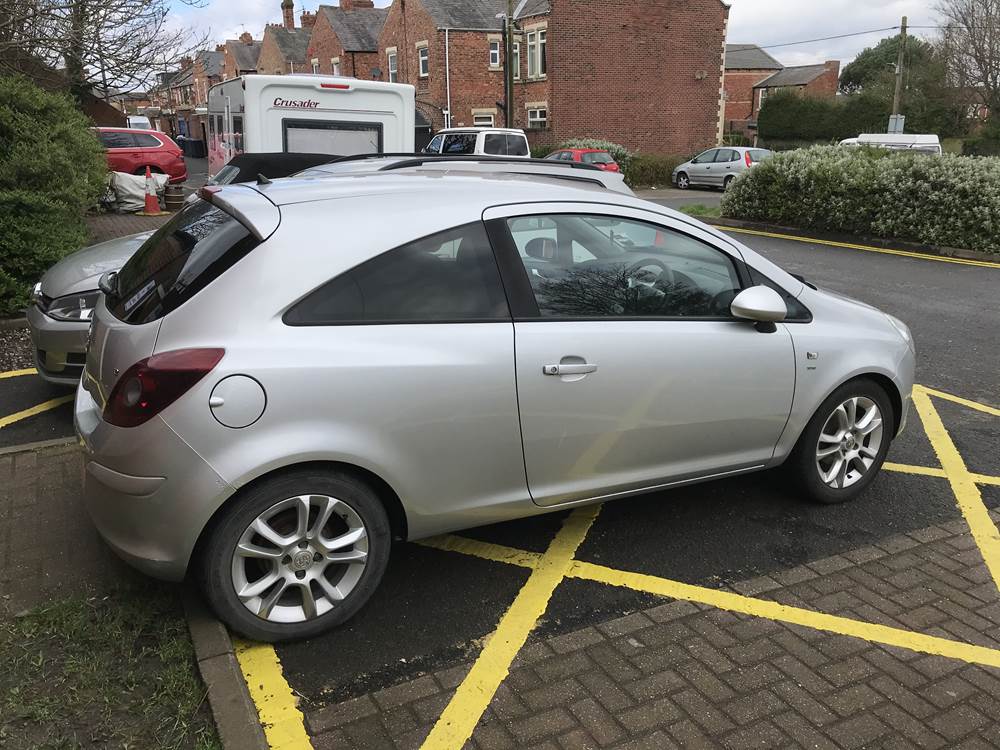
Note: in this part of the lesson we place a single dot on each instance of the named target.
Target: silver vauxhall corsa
(286, 377)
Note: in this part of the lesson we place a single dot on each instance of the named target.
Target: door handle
(576, 369)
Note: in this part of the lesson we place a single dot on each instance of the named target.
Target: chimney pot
(288, 13)
(246, 38)
(307, 19)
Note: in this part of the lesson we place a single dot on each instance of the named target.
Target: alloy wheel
(299, 558)
(849, 442)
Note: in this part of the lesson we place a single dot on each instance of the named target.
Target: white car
(480, 141)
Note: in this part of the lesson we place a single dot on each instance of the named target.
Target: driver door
(702, 166)
(631, 371)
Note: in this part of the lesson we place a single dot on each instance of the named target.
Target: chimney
(186, 62)
(220, 48)
(307, 19)
(246, 38)
(348, 5)
(288, 14)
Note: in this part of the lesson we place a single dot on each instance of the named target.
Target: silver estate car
(287, 377)
(717, 167)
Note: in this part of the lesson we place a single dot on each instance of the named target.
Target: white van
(140, 121)
(925, 144)
(483, 141)
(308, 113)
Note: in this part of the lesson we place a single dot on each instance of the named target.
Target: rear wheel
(296, 555)
(844, 445)
(683, 181)
(727, 182)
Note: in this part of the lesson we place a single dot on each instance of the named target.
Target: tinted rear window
(757, 154)
(517, 145)
(145, 140)
(495, 143)
(459, 143)
(116, 140)
(182, 258)
(597, 157)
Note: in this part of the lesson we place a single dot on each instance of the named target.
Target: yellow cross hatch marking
(38, 409)
(17, 373)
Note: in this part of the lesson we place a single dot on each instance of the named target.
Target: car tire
(814, 474)
(683, 181)
(281, 611)
(727, 182)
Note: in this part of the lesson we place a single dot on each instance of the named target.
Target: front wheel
(296, 555)
(845, 443)
(683, 181)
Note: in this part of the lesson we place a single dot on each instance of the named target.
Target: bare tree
(107, 43)
(971, 40)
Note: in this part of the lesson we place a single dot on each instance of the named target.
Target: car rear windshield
(597, 157)
(758, 154)
(184, 256)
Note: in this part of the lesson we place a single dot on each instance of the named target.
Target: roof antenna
(262, 180)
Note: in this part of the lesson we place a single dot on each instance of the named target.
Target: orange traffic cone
(152, 202)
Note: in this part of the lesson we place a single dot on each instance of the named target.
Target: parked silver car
(717, 167)
(289, 376)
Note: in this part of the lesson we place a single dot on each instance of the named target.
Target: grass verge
(700, 210)
(118, 671)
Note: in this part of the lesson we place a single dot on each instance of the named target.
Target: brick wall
(324, 45)
(828, 83)
(271, 60)
(644, 73)
(739, 92)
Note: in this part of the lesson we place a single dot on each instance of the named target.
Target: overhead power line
(846, 36)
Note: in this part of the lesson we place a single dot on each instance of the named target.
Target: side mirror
(108, 283)
(759, 303)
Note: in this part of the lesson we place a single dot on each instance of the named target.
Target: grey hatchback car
(281, 381)
(717, 167)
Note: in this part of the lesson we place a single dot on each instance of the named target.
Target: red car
(593, 156)
(132, 150)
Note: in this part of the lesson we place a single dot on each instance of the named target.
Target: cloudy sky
(763, 22)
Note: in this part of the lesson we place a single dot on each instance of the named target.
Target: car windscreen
(182, 258)
(597, 157)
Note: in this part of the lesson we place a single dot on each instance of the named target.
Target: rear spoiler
(249, 207)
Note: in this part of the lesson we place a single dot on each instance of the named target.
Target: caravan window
(334, 138)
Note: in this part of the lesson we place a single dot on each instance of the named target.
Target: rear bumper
(60, 347)
(148, 493)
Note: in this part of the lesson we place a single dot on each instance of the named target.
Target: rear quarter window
(184, 256)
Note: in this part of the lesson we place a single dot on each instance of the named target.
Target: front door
(701, 167)
(633, 373)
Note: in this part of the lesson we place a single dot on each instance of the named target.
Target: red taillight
(152, 384)
(746, 158)
(206, 193)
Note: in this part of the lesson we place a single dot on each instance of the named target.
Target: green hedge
(51, 169)
(953, 201)
(787, 116)
(651, 169)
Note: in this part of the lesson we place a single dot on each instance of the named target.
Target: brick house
(206, 71)
(809, 80)
(567, 83)
(345, 38)
(746, 66)
(284, 47)
(240, 56)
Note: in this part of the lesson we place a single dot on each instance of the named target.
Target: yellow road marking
(963, 484)
(927, 471)
(458, 720)
(17, 373)
(963, 401)
(38, 409)
(986, 479)
(485, 550)
(890, 636)
(867, 248)
(277, 708)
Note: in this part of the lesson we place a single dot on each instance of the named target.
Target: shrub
(651, 169)
(618, 152)
(540, 152)
(952, 201)
(787, 116)
(51, 169)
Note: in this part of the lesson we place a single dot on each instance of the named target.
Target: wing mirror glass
(759, 303)
(108, 283)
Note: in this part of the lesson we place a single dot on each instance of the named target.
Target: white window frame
(335, 63)
(516, 60)
(532, 41)
(315, 64)
(423, 61)
(484, 116)
(542, 65)
(534, 119)
(494, 54)
(391, 65)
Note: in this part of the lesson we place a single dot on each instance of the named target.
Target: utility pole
(899, 68)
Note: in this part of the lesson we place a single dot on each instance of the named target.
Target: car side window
(450, 276)
(434, 147)
(591, 266)
(726, 154)
(495, 144)
(144, 140)
(459, 143)
(705, 157)
(116, 140)
(517, 145)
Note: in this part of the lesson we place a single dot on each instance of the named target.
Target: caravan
(308, 114)
(920, 144)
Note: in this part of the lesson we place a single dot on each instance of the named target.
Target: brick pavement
(103, 227)
(48, 546)
(687, 675)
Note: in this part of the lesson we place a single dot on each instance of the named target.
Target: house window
(532, 38)
(336, 66)
(538, 119)
(541, 53)
(423, 60)
(494, 54)
(516, 60)
(393, 73)
(483, 120)
(315, 65)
